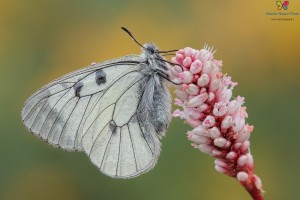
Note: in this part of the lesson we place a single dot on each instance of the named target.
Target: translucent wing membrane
(95, 110)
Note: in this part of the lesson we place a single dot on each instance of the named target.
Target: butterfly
(116, 111)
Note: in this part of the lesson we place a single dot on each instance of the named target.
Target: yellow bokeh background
(42, 40)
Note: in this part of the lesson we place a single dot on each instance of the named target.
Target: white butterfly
(115, 111)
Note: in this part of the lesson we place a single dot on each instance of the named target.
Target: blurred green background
(42, 40)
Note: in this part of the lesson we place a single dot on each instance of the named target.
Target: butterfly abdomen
(155, 106)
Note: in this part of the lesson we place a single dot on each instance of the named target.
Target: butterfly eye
(100, 77)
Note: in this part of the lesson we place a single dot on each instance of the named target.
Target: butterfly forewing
(95, 110)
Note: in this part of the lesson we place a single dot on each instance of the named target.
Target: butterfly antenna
(130, 34)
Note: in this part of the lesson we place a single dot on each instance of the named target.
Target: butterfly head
(150, 50)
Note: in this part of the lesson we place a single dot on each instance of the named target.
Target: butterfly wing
(95, 110)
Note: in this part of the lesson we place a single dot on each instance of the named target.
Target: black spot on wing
(112, 127)
(77, 87)
(100, 76)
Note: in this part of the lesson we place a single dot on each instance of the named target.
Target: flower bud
(205, 148)
(208, 122)
(197, 100)
(221, 142)
(199, 139)
(203, 80)
(243, 135)
(220, 169)
(231, 155)
(242, 176)
(216, 152)
(177, 113)
(233, 107)
(225, 95)
(192, 89)
(187, 62)
(185, 77)
(188, 51)
(174, 60)
(221, 163)
(199, 130)
(220, 109)
(178, 102)
(211, 96)
(193, 122)
(242, 160)
(213, 132)
(214, 85)
(207, 68)
(205, 55)
(238, 123)
(203, 107)
(179, 57)
(245, 146)
(257, 182)
(227, 122)
(195, 114)
(196, 67)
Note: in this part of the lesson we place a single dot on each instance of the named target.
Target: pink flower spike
(93, 63)
(218, 121)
